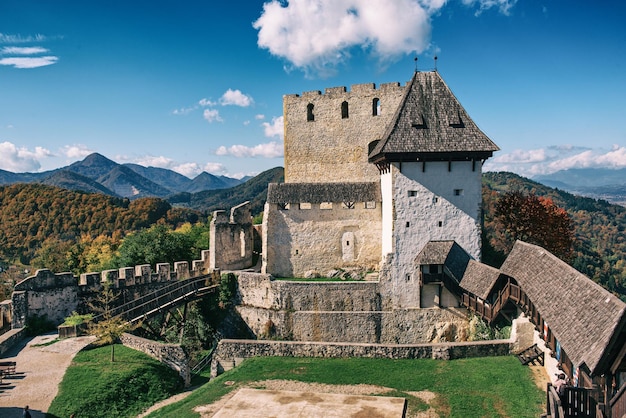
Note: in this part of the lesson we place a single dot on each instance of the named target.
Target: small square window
(412, 193)
(370, 205)
(305, 205)
(458, 192)
(326, 205)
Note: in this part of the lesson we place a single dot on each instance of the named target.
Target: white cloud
(235, 97)
(19, 39)
(77, 151)
(212, 115)
(21, 159)
(206, 102)
(317, 34)
(26, 50)
(269, 150)
(556, 158)
(276, 128)
(184, 110)
(504, 6)
(259, 117)
(29, 62)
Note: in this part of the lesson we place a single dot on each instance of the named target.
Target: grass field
(479, 387)
(93, 386)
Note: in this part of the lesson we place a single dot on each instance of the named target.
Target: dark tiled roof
(479, 279)
(581, 314)
(431, 123)
(323, 192)
(447, 253)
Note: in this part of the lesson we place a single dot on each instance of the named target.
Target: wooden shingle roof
(431, 124)
(582, 315)
(447, 253)
(479, 279)
(323, 192)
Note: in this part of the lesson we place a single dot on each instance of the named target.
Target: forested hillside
(599, 229)
(33, 213)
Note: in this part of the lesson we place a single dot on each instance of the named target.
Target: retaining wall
(230, 353)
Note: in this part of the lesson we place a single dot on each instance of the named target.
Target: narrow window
(376, 109)
(408, 277)
(435, 199)
(408, 224)
(296, 252)
(412, 193)
(344, 110)
(309, 113)
(440, 224)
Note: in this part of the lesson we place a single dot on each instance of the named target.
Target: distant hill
(253, 190)
(600, 248)
(131, 181)
(599, 183)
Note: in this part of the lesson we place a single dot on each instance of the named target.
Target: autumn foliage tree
(533, 219)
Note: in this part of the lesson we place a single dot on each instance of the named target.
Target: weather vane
(415, 59)
(435, 62)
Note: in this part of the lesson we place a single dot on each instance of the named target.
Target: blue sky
(197, 85)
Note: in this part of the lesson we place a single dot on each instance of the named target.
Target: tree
(533, 219)
(157, 244)
(106, 327)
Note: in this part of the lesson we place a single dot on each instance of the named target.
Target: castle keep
(371, 176)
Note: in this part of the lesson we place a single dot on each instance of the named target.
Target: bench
(7, 368)
(530, 355)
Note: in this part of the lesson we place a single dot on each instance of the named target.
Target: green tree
(52, 255)
(157, 244)
(105, 327)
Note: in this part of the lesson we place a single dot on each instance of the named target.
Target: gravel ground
(40, 369)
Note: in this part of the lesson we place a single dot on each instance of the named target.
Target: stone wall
(57, 295)
(172, 355)
(340, 311)
(232, 238)
(230, 353)
(317, 238)
(10, 339)
(331, 147)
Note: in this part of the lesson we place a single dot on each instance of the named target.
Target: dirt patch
(540, 376)
(207, 411)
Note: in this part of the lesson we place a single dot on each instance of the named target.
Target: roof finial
(435, 62)
(415, 59)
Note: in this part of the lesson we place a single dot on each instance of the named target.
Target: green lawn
(479, 387)
(93, 386)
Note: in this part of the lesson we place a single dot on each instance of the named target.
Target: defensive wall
(56, 295)
(232, 238)
(351, 311)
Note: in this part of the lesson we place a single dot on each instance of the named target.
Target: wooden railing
(554, 408)
(575, 403)
(618, 403)
(170, 295)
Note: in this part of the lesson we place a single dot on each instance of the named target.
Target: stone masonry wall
(307, 238)
(171, 355)
(340, 311)
(332, 148)
(230, 353)
(232, 239)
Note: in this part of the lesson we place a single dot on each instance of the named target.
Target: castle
(371, 176)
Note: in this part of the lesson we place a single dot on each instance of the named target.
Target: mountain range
(598, 183)
(96, 173)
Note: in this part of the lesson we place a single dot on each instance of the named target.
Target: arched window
(376, 107)
(344, 110)
(309, 112)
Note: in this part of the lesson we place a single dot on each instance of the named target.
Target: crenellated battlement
(363, 88)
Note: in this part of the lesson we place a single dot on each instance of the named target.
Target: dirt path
(40, 369)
